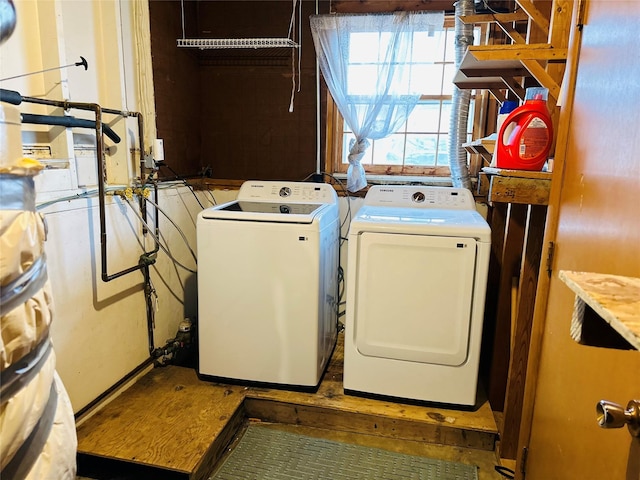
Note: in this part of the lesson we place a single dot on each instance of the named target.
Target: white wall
(99, 328)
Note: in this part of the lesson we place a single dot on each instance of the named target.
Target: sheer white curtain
(372, 73)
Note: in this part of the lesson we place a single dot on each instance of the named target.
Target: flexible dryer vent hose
(461, 98)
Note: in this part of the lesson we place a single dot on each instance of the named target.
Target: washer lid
(267, 207)
(421, 221)
(275, 201)
(265, 211)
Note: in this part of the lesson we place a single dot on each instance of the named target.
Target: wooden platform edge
(364, 423)
(215, 452)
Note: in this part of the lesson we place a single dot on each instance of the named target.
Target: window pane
(362, 79)
(421, 149)
(425, 117)
(446, 116)
(450, 55)
(443, 150)
(363, 47)
(389, 150)
(429, 78)
(428, 47)
(447, 82)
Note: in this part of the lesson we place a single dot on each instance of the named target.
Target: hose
(460, 102)
(184, 238)
(162, 247)
(65, 121)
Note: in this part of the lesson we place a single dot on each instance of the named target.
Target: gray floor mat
(267, 453)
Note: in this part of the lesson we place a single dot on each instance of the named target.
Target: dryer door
(413, 297)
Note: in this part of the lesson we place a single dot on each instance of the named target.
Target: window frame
(335, 127)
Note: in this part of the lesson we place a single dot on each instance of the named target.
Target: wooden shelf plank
(528, 191)
(518, 186)
(536, 51)
(615, 298)
(517, 16)
(505, 172)
(493, 67)
(492, 75)
(483, 147)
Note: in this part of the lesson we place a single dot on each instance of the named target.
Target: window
(421, 145)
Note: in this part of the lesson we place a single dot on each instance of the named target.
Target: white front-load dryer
(268, 284)
(418, 260)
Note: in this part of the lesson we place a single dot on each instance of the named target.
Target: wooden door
(595, 226)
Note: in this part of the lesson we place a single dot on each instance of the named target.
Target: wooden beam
(537, 51)
(543, 78)
(560, 23)
(535, 14)
(524, 322)
(377, 6)
(509, 254)
(528, 191)
(481, 83)
(515, 87)
(495, 72)
(498, 94)
(366, 423)
(497, 217)
(494, 17)
(514, 35)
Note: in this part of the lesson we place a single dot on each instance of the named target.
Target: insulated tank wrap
(37, 427)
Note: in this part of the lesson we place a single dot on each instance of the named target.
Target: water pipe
(15, 98)
(147, 258)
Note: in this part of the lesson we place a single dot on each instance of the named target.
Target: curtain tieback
(357, 149)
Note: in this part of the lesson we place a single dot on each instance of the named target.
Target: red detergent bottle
(526, 135)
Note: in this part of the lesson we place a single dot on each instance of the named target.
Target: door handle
(612, 415)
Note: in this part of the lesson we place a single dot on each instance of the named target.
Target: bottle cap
(508, 106)
(537, 94)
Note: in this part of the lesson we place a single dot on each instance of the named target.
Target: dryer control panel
(411, 196)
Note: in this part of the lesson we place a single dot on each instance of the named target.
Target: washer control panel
(302, 192)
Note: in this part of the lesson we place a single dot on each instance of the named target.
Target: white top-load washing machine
(268, 283)
(417, 267)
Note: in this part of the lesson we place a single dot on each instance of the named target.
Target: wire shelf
(221, 43)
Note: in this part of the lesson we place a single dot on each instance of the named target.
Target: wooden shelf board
(494, 67)
(517, 186)
(481, 145)
(615, 298)
(516, 52)
(490, 74)
(505, 172)
(516, 16)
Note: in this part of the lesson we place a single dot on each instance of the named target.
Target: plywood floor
(173, 422)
